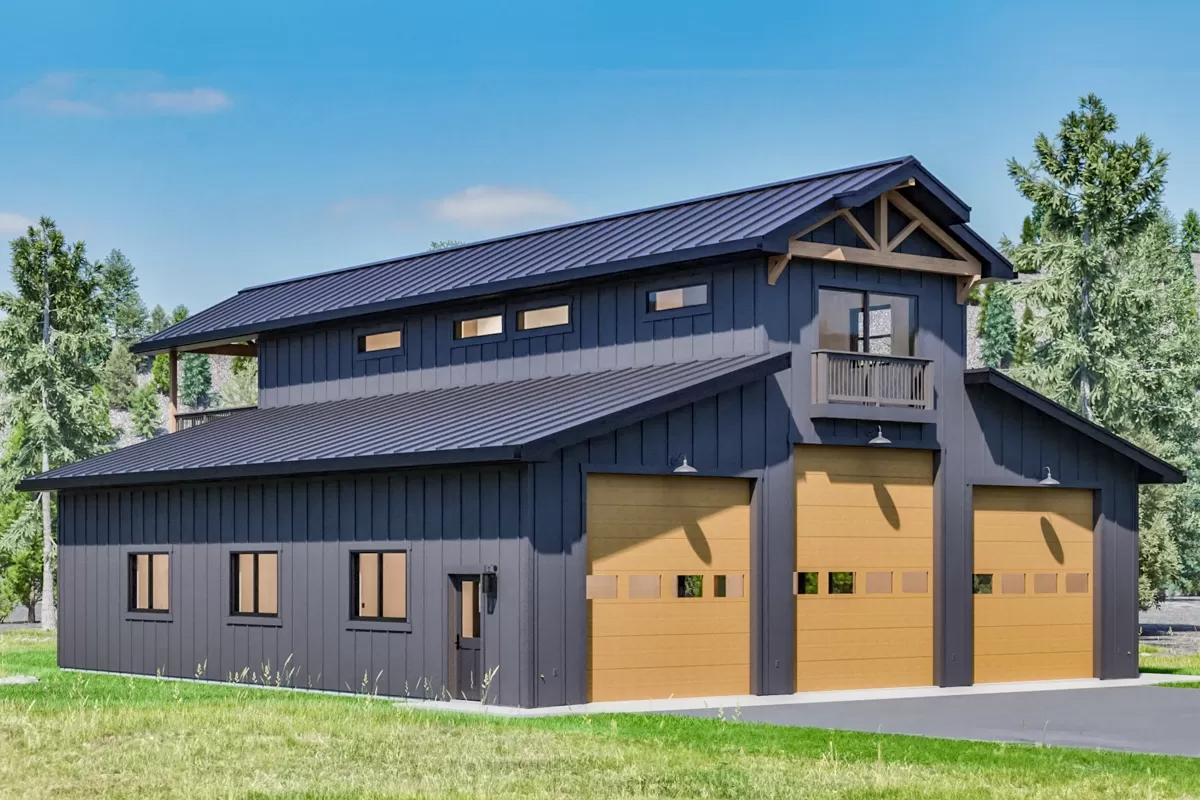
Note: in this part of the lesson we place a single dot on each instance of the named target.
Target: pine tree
(196, 384)
(241, 388)
(1110, 321)
(160, 370)
(1190, 231)
(145, 412)
(52, 345)
(119, 376)
(123, 307)
(997, 326)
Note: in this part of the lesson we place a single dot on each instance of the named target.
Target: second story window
(867, 322)
(149, 582)
(381, 340)
(479, 326)
(678, 297)
(547, 317)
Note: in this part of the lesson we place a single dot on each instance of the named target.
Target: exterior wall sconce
(685, 468)
(880, 438)
(1048, 480)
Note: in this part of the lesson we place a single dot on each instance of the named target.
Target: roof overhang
(1151, 468)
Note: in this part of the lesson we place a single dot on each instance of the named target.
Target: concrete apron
(733, 702)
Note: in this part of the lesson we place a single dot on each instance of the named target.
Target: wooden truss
(880, 249)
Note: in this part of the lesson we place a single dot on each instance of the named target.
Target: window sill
(149, 616)
(378, 625)
(251, 621)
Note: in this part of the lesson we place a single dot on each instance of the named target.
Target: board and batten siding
(1007, 443)
(448, 519)
(609, 329)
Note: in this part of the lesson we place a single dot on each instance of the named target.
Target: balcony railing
(191, 419)
(870, 379)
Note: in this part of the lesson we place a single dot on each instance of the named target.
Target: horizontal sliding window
(380, 585)
(479, 326)
(549, 317)
(679, 297)
(149, 582)
(256, 584)
(382, 340)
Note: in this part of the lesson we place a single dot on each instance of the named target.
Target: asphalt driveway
(1145, 719)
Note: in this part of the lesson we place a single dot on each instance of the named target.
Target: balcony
(872, 386)
(191, 419)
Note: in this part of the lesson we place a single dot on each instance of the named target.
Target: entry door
(466, 653)
(668, 586)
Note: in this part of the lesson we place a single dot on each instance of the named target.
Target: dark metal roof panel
(712, 225)
(498, 421)
(1152, 468)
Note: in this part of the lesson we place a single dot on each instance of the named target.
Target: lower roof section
(509, 421)
(1151, 468)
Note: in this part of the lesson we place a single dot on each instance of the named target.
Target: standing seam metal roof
(724, 223)
(490, 422)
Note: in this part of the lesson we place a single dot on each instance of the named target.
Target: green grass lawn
(77, 735)
(1155, 659)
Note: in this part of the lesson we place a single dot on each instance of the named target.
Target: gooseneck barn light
(880, 438)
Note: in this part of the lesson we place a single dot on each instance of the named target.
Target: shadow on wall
(1053, 543)
(887, 506)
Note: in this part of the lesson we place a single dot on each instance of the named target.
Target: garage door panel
(1030, 556)
(1017, 639)
(828, 645)
(863, 510)
(856, 522)
(848, 494)
(866, 615)
(672, 554)
(637, 520)
(667, 492)
(864, 463)
(1033, 635)
(1072, 503)
(854, 673)
(866, 553)
(1033, 667)
(664, 650)
(662, 527)
(993, 612)
(650, 618)
(641, 683)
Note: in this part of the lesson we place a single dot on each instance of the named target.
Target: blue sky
(227, 144)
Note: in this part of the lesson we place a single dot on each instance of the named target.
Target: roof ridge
(578, 223)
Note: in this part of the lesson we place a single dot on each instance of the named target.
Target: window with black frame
(867, 322)
(149, 582)
(380, 590)
(255, 584)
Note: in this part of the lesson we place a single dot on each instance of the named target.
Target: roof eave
(1151, 468)
(505, 453)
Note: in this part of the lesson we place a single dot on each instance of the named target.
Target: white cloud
(13, 224)
(104, 93)
(186, 101)
(494, 206)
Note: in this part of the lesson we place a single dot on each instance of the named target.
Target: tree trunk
(49, 612)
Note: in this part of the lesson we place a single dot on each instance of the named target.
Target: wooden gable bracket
(880, 249)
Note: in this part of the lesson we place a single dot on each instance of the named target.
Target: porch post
(173, 394)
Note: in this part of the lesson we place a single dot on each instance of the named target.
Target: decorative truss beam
(880, 249)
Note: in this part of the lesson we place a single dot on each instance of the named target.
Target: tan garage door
(1032, 583)
(864, 558)
(668, 585)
